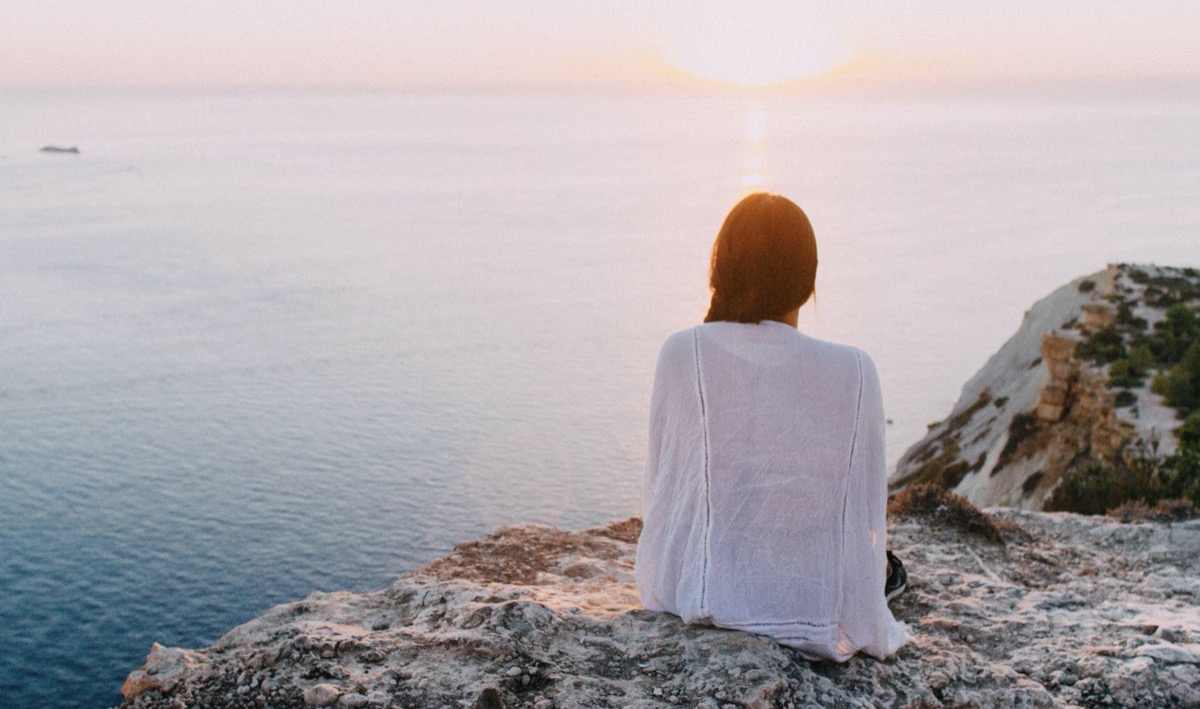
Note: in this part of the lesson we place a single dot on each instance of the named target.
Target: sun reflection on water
(754, 172)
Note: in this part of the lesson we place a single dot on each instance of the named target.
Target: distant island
(56, 149)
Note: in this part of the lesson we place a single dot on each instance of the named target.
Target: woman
(765, 485)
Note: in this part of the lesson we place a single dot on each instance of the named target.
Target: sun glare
(755, 42)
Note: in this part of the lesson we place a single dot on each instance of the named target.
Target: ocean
(258, 343)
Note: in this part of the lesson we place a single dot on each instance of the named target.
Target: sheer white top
(765, 491)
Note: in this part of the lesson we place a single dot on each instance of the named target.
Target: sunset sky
(373, 43)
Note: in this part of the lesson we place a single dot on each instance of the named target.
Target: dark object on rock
(55, 149)
(489, 698)
(897, 580)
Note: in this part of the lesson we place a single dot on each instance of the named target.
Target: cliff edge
(1074, 390)
(1014, 609)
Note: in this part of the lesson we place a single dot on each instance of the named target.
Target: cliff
(1071, 388)
(1019, 609)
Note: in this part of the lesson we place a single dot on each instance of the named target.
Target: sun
(755, 42)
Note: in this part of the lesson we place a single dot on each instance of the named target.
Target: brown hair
(764, 261)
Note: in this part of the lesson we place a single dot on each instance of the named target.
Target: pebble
(937, 680)
(321, 695)
(352, 701)
(513, 671)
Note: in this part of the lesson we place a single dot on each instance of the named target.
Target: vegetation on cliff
(1135, 477)
(1138, 474)
(1094, 402)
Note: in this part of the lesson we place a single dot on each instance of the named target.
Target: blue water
(256, 344)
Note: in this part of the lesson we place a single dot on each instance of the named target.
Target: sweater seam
(707, 487)
(773, 624)
(846, 491)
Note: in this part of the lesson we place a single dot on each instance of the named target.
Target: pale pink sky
(579, 42)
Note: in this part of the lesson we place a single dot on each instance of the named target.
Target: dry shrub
(944, 507)
(1164, 511)
(626, 530)
(516, 555)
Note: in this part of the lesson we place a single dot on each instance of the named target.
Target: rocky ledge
(1015, 608)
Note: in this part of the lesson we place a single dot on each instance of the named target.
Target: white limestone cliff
(1035, 409)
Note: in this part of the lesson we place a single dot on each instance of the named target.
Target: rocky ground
(1028, 609)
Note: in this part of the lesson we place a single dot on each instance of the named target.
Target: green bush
(1137, 477)
(1189, 432)
(1180, 385)
(1174, 334)
(1120, 375)
(1125, 398)
(1129, 322)
(1141, 359)
(1102, 346)
(1163, 291)
(1130, 372)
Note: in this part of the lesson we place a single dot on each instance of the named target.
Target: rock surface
(1036, 409)
(1059, 610)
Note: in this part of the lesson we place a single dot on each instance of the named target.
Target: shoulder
(676, 356)
(848, 356)
(682, 340)
(678, 347)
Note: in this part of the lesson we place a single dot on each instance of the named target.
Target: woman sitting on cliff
(765, 486)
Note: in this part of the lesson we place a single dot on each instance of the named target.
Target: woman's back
(765, 489)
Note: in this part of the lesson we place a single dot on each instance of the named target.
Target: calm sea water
(257, 344)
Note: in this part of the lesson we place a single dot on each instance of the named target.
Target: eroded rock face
(1065, 611)
(1037, 408)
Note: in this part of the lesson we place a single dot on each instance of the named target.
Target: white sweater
(765, 491)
